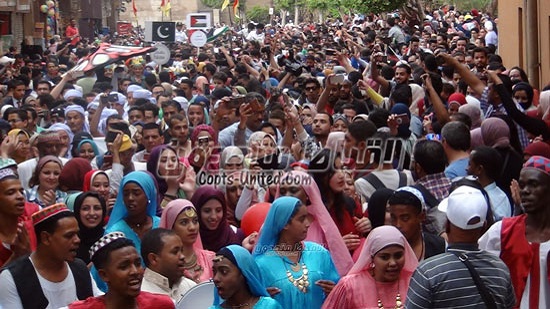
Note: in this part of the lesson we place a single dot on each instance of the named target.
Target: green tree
(258, 14)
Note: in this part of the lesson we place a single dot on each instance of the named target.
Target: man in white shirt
(161, 250)
(257, 35)
(52, 276)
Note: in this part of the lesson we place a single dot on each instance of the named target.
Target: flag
(225, 4)
(198, 21)
(235, 9)
(165, 7)
(134, 8)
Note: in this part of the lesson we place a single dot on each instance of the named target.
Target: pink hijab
(171, 213)
(323, 230)
(359, 289)
(204, 257)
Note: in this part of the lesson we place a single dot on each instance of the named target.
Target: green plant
(258, 14)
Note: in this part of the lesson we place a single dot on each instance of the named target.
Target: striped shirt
(443, 281)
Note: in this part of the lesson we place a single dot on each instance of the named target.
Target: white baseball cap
(466, 208)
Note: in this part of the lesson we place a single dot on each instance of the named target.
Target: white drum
(200, 296)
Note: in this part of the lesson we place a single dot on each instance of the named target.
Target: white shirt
(254, 36)
(490, 241)
(58, 294)
(154, 282)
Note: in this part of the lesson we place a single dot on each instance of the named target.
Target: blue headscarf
(248, 267)
(147, 184)
(88, 141)
(278, 216)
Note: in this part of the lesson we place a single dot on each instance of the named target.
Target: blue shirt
(500, 204)
(457, 168)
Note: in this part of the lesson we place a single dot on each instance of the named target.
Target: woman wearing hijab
(239, 281)
(215, 231)
(23, 152)
(98, 181)
(90, 210)
(134, 213)
(66, 137)
(181, 216)
(44, 184)
(323, 230)
(72, 175)
(342, 208)
(205, 154)
(298, 273)
(380, 278)
(536, 126)
(473, 112)
(496, 134)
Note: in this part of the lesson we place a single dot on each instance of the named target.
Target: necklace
(398, 302)
(251, 301)
(302, 282)
(192, 269)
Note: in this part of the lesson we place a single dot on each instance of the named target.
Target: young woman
(181, 216)
(86, 149)
(215, 231)
(331, 181)
(380, 278)
(44, 184)
(205, 154)
(170, 174)
(298, 274)
(197, 114)
(323, 230)
(90, 210)
(239, 281)
(134, 213)
(23, 150)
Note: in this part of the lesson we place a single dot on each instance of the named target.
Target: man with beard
(523, 242)
(322, 123)
(52, 276)
(161, 251)
(402, 75)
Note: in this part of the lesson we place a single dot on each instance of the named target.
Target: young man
(444, 281)
(152, 137)
(119, 265)
(407, 212)
(16, 230)
(455, 137)
(51, 277)
(523, 242)
(161, 250)
(179, 134)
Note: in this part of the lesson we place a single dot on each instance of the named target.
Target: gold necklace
(398, 302)
(302, 282)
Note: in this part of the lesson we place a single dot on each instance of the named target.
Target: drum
(200, 296)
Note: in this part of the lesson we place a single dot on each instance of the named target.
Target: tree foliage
(258, 14)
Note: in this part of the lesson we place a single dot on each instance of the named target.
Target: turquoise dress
(320, 267)
(263, 303)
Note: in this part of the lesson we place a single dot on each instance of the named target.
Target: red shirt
(144, 300)
(30, 208)
(70, 32)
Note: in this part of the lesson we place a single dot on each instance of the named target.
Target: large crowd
(364, 162)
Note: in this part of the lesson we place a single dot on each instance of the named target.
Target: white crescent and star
(161, 34)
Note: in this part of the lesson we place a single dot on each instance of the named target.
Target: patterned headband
(104, 241)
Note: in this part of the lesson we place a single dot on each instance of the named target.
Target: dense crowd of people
(367, 162)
